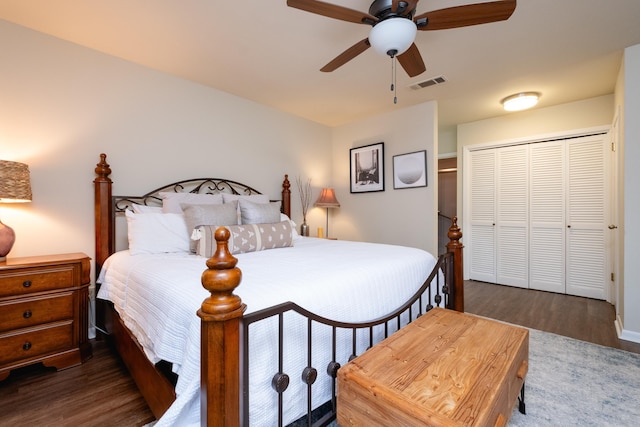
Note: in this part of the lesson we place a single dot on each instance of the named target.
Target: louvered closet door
(512, 243)
(547, 217)
(586, 216)
(482, 263)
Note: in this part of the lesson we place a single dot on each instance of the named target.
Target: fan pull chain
(393, 80)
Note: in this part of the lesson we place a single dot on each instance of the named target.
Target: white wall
(404, 216)
(631, 226)
(61, 105)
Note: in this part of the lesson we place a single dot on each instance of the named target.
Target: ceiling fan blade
(412, 61)
(346, 56)
(333, 11)
(467, 15)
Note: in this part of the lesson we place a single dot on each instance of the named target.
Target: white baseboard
(626, 334)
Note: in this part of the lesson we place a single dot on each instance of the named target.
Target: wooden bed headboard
(107, 206)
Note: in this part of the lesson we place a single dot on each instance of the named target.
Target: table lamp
(15, 187)
(327, 199)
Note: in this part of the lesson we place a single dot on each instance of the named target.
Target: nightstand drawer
(28, 312)
(34, 342)
(45, 278)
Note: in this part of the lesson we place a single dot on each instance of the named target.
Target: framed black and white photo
(367, 168)
(410, 170)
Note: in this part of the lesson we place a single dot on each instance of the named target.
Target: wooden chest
(444, 369)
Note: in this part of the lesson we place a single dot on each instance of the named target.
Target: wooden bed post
(455, 247)
(286, 196)
(220, 338)
(103, 212)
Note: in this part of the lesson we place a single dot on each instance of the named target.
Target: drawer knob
(27, 314)
(26, 346)
(26, 283)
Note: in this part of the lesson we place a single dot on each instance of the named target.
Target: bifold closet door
(482, 265)
(547, 217)
(512, 212)
(586, 261)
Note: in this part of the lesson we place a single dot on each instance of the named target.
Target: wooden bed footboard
(221, 313)
(222, 322)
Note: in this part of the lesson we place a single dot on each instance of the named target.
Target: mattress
(157, 297)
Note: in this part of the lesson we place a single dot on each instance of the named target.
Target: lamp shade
(15, 187)
(393, 36)
(15, 183)
(327, 199)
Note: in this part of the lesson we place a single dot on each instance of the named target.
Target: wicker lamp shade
(15, 183)
(15, 187)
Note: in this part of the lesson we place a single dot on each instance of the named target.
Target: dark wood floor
(576, 317)
(101, 393)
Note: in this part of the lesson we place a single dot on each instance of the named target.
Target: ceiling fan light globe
(394, 35)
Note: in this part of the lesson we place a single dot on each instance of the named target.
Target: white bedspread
(157, 297)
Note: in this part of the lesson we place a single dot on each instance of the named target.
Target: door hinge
(613, 277)
(613, 147)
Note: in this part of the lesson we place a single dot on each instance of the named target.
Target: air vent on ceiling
(427, 83)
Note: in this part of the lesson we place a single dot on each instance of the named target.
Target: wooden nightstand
(44, 311)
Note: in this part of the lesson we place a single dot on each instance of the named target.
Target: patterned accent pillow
(247, 238)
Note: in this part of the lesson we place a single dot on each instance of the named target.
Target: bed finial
(286, 196)
(221, 277)
(220, 316)
(102, 168)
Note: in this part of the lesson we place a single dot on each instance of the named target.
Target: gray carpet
(575, 383)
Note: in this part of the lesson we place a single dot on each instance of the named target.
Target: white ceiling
(264, 51)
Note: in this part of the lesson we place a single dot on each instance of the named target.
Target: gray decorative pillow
(258, 213)
(197, 215)
(247, 238)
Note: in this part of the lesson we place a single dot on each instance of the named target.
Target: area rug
(575, 383)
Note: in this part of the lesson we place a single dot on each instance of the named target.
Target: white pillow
(284, 217)
(153, 233)
(255, 198)
(145, 209)
(171, 201)
(258, 213)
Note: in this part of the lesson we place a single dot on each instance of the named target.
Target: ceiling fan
(395, 25)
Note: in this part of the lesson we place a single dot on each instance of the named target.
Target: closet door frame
(466, 177)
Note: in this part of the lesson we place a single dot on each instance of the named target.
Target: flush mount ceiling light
(393, 36)
(520, 101)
